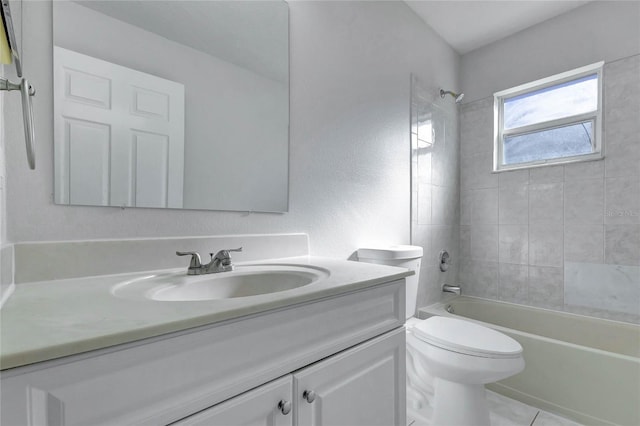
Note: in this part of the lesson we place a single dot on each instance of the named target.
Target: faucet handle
(224, 252)
(195, 258)
(222, 256)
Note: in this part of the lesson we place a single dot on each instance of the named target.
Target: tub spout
(451, 289)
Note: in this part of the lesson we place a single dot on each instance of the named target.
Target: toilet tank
(403, 256)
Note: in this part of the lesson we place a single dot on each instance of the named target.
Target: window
(554, 120)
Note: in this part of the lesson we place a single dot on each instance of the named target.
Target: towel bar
(26, 90)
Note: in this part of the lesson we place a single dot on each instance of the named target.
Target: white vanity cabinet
(267, 405)
(362, 386)
(347, 348)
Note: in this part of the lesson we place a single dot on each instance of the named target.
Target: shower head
(458, 96)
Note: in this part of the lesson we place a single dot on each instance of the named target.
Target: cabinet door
(259, 406)
(363, 386)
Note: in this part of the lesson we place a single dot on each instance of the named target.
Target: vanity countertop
(52, 319)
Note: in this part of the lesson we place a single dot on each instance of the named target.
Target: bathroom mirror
(172, 104)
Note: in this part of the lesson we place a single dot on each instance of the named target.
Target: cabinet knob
(309, 396)
(284, 407)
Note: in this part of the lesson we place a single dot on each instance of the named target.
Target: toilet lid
(466, 337)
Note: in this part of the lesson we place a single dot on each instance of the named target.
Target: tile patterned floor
(508, 412)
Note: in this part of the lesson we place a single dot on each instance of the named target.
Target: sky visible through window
(563, 100)
(560, 101)
(566, 141)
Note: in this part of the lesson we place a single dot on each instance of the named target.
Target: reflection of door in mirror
(119, 134)
(231, 60)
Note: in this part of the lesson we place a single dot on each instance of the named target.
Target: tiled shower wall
(435, 190)
(560, 237)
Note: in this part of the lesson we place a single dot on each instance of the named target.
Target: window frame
(595, 117)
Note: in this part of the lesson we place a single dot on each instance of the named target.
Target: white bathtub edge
(439, 308)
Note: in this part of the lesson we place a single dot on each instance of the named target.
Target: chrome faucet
(220, 262)
(451, 289)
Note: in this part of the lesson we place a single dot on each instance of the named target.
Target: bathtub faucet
(451, 289)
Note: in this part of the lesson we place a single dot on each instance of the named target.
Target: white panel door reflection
(119, 134)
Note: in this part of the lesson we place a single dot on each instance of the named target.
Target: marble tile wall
(519, 229)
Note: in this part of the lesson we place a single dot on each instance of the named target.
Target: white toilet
(447, 357)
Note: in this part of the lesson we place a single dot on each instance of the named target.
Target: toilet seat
(466, 338)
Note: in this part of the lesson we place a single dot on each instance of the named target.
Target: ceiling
(251, 34)
(468, 25)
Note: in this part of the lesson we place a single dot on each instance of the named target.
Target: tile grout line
(534, 418)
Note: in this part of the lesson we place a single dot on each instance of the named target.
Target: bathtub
(581, 367)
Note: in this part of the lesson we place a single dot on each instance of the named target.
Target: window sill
(597, 156)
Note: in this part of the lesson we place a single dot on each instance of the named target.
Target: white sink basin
(244, 281)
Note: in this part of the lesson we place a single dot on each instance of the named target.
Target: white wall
(601, 30)
(3, 217)
(349, 146)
